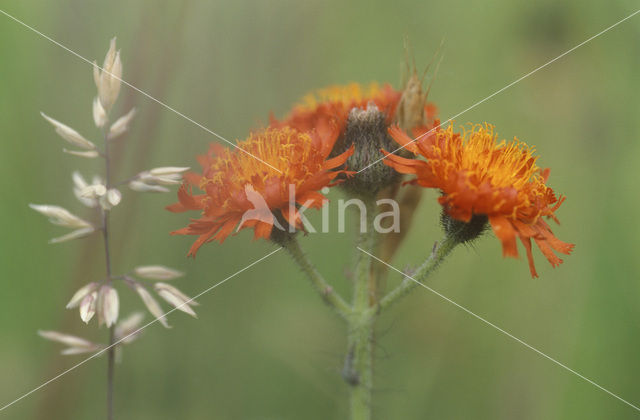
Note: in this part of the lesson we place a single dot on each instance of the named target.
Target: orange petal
(506, 233)
(402, 139)
(548, 252)
(527, 246)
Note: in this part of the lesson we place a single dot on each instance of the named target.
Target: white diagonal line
(137, 89)
(136, 331)
(503, 331)
(507, 86)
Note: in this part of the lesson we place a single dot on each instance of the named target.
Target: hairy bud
(461, 231)
(367, 130)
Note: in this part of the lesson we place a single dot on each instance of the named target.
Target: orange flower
(323, 108)
(478, 176)
(234, 183)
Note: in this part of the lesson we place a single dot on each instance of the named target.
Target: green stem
(107, 252)
(439, 253)
(359, 363)
(328, 294)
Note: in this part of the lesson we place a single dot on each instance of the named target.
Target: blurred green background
(264, 346)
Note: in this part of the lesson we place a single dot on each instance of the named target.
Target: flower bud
(463, 232)
(81, 293)
(157, 272)
(121, 125)
(111, 199)
(128, 329)
(76, 345)
(152, 305)
(88, 307)
(108, 305)
(175, 298)
(79, 184)
(69, 134)
(140, 186)
(93, 191)
(108, 79)
(90, 154)
(367, 131)
(60, 216)
(76, 234)
(99, 114)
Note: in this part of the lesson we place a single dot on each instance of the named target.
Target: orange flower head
(324, 107)
(481, 177)
(237, 185)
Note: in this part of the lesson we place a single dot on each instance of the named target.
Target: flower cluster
(480, 179)
(100, 299)
(307, 151)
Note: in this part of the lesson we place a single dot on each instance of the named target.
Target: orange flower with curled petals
(235, 184)
(478, 176)
(331, 105)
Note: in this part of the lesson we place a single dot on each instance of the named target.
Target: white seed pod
(60, 216)
(108, 80)
(81, 293)
(79, 183)
(152, 305)
(157, 272)
(88, 307)
(128, 329)
(81, 350)
(121, 125)
(111, 199)
(148, 178)
(140, 186)
(67, 339)
(168, 170)
(93, 191)
(76, 234)
(90, 154)
(99, 114)
(175, 298)
(69, 134)
(108, 305)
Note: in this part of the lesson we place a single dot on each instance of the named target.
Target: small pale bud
(90, 154)
(128, 329)
(88, 307)
(81, 350)
(109, 79)
(157, 272)
(111, 199)
(67, 339)
(168, 170)
(114, 197)
(152, 305)
(140, 186)
(108, 305)
(121, 125)
(69, 134)
(175, 298)
(60, 216)
(81, 293)
(99, 114)
(79, 183)
(93, 191)
(76, 234)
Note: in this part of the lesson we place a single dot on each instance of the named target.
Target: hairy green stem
(358, 369)
(328, 294)
(439, 253)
